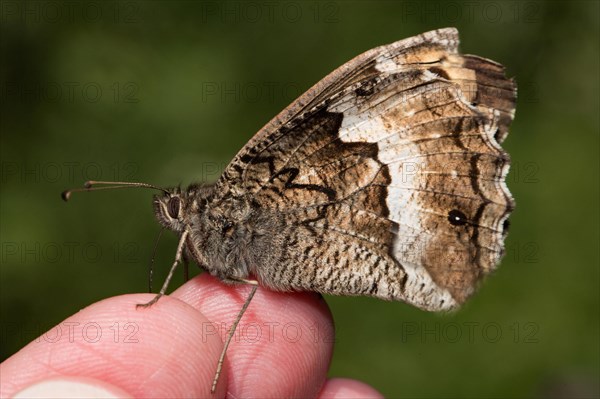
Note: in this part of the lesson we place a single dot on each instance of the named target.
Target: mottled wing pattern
(389, 175)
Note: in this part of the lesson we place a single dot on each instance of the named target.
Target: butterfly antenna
(91, 185)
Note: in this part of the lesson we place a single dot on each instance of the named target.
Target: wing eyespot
(457, 218)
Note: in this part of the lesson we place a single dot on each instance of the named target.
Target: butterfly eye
(173, 207)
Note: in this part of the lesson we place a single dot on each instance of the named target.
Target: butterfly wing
(388, 175)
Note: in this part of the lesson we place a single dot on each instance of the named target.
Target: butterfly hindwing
(387, 176)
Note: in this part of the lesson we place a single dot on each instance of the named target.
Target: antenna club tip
(65, 195)
(88, 184)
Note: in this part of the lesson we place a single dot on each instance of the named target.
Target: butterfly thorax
(227, 235)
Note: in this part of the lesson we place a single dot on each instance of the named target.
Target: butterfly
(385, 179)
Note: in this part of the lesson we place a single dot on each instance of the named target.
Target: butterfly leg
(240, 280)
(178, 256)
(254, 284)
(186, 269)
(151, 265)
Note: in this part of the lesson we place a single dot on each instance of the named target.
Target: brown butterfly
(384, 179)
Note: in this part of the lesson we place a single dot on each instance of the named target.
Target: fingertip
(283, 344)
(156, 351)
(71, 387)
(345, 388)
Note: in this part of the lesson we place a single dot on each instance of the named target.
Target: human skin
(282, 348)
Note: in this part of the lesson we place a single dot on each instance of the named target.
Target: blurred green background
(167, 92)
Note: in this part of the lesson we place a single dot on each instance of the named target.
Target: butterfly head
(169, 209)
(176, 207)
